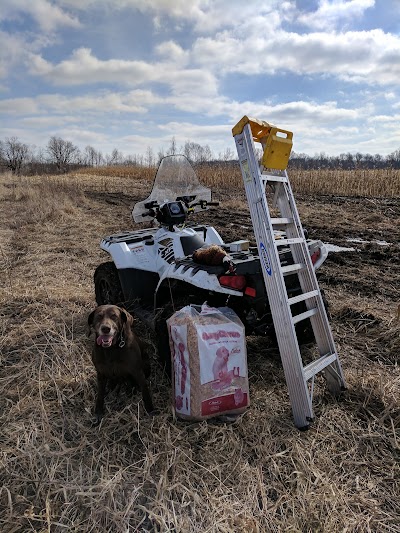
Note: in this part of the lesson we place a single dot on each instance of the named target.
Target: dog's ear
(90, 323)
(126, 317)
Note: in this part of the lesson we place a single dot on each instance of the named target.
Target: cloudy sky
(129, 74)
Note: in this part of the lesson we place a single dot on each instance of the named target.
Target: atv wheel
(107, 285)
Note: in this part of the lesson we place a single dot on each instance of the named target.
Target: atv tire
(162, 344)
(107, 285)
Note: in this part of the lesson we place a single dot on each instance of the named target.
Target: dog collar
(121, 343)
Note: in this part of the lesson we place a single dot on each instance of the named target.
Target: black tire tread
(107, 274)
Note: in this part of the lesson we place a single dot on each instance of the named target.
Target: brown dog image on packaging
(118, 354)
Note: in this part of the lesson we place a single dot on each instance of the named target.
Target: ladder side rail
(288, 209)
(274, 280)
(283, 199)
(308, 282)
(307, 277)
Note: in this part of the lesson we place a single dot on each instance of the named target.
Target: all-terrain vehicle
(152, 271)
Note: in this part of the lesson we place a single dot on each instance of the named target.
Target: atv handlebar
(149, 213)
(157, 211)
(203, 204)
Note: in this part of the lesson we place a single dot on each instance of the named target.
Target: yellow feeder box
(277, 149)
(277, 143)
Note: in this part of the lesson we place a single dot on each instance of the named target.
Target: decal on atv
(265, 259)
(139, 254)
(167, 253)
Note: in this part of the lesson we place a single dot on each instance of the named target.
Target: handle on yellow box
(276, 131)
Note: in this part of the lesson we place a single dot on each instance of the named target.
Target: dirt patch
(144, 473)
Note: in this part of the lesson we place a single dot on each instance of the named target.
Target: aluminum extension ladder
(271, 173)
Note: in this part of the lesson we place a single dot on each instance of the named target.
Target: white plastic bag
(209, 362)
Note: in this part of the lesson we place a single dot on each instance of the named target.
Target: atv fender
(195, 276)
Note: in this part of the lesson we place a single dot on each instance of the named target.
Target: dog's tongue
(104, 340)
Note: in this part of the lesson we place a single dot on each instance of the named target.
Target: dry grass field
(159, 474)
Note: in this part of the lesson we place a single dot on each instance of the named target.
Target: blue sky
(129, 74)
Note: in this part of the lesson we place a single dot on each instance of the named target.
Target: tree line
(61, 156)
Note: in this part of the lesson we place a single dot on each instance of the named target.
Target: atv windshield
(175, 180)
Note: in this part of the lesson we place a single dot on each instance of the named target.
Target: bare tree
(160, 155)
(394, 159)
(227, 155)
(206, 154)
(196, 152)
(92, 157)
(62, 152)
(172, 150)
(115, 158)
(149, 157)
(14, 154)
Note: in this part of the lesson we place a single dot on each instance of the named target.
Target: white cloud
(364, 56)
(12, 49)
(332, 12)
(174, 8)
(81, 137)
(372, 57)
(84, 68)
(172, 51)
(47, 15)
(105, 102)
(46, 122)
(187, 130)
(205, 16)
(386, 119)
(19, 106)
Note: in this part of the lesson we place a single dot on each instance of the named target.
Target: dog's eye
(113, 317)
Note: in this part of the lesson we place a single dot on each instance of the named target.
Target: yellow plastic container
(259, 128)
(277, 149)
(277, 142)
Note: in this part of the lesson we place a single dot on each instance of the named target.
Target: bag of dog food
(209, 362)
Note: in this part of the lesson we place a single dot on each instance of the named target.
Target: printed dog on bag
(222, 376)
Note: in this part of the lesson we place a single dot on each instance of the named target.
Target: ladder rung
(281, 221)
(306, 314)
(302, 297)
(289, 269)
(271, 177)
(295, 240)
(318, 365)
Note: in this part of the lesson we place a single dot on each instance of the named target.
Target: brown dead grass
(137, 473)
(360, 182)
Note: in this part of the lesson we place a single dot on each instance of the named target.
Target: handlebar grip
(149, 213)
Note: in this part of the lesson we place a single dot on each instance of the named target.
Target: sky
(133, 74)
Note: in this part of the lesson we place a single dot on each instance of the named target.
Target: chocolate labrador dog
(118, 354)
